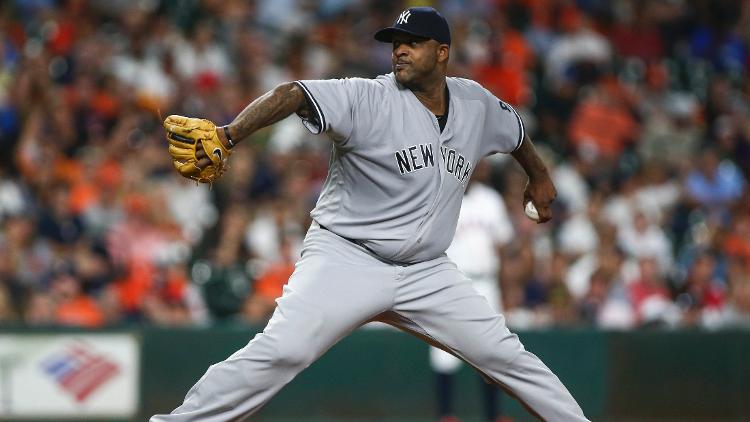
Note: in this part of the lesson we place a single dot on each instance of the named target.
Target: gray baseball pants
(338, 286)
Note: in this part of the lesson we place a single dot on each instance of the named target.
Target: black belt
(370, 251)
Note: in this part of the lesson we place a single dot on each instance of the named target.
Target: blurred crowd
(640, 108)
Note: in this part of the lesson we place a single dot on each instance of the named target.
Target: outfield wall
(378, 374)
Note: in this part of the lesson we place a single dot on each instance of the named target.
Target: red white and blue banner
(69, 376)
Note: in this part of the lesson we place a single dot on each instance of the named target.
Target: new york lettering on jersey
(456, 164)
(414, 158)
(417, 157)
(382, 134)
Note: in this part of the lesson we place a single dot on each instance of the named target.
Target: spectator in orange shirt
(167, 301)
(504, 74)
(270, 285)
(603, 123)
(71, 305)
(737, 242)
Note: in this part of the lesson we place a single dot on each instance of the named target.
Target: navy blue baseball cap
(424, 22)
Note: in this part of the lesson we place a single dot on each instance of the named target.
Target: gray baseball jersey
(376, 251)
(395, 181)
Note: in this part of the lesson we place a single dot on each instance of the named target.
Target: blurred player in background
(483, 229)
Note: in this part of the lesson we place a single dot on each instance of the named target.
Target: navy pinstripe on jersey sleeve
(521, 128)
(316, 123)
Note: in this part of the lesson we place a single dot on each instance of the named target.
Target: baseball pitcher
(404, 147)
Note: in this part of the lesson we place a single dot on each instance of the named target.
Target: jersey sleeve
(503, 127)
(331, 103)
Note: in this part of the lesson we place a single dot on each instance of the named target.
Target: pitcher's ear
(444, 52)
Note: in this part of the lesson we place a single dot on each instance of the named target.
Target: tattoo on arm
(268, 109)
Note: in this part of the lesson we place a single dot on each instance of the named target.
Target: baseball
(531, 211)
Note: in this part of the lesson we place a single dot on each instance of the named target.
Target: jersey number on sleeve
(504, 106)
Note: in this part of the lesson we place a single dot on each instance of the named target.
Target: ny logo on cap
(403, 17)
